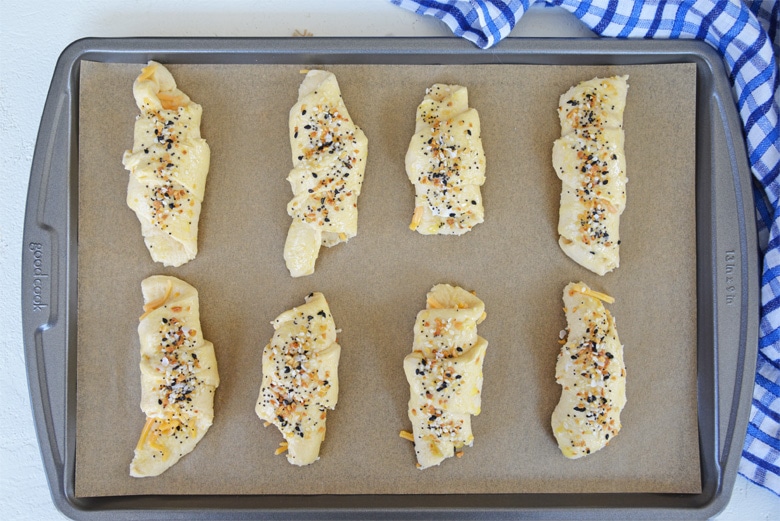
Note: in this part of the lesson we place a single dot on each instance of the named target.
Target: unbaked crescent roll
(589, 159)
(446, 163)
(444, 372)
(591, 371)
(300, 378)
(178, 376)
(168, 166)
(329, 159)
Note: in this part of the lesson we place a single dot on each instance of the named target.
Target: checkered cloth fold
(746, 35)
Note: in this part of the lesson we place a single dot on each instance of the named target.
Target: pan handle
(49, 271)
(729, 289)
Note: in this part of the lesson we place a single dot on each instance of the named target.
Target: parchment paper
(377, 283)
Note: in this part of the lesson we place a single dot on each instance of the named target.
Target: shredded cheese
(156, 446)
(170, 426)
(595, 294)
(145, 433)
(151, 306)
(416, 218)
(169, 101)
(433, 303)
(147, 72)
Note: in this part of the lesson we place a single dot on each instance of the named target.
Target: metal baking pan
(727, 279)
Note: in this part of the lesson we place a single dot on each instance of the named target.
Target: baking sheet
(377, 282)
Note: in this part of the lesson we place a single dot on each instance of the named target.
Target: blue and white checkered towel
(746, 35)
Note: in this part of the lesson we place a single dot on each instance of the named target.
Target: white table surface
(32, 35)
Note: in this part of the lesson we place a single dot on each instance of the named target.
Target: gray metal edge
(749, 287)
(44, 360)
(54, 152)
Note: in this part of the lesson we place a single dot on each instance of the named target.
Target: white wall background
(32, 35)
